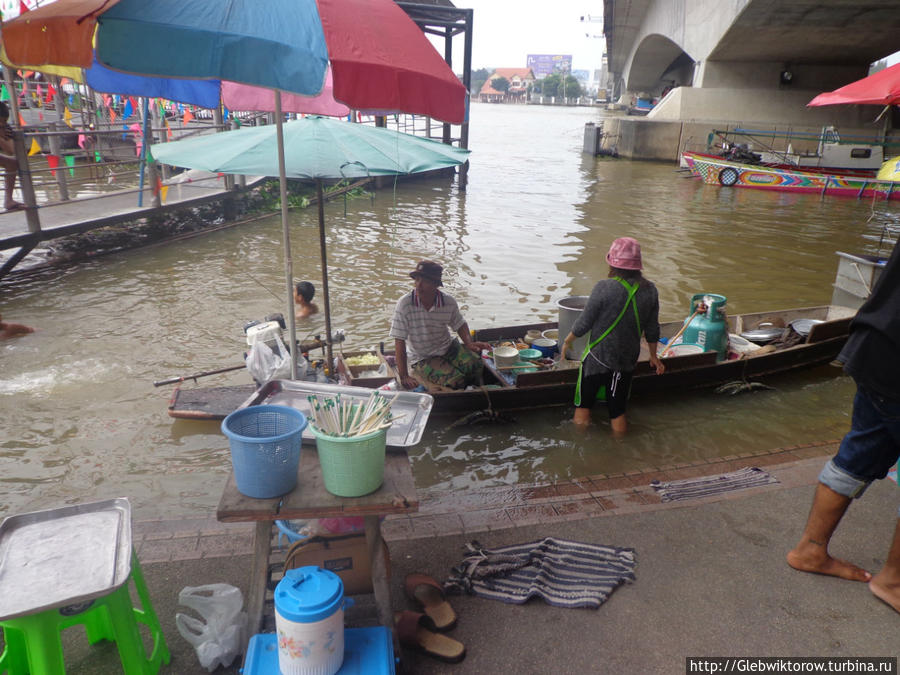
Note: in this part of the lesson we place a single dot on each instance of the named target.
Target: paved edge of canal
(503, 507)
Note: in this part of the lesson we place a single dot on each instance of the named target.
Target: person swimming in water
(303, 295)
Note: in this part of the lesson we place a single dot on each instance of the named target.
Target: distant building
(518, 78)
(543, 65)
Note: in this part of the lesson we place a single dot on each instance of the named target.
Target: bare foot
(822, 563)
(889, 594)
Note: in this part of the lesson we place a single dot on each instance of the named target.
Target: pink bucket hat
(625, 253)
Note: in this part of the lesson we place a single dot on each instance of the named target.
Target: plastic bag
(265, 364)
(218, 638)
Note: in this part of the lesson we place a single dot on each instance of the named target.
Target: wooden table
(309, 500)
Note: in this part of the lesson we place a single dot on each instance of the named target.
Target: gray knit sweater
(619, 350)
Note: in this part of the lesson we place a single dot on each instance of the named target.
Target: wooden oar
(678, 334)
(173, 380)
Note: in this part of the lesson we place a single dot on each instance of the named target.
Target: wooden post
(467, 81)
(25, 184)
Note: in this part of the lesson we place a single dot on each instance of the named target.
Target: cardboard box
(346, 555)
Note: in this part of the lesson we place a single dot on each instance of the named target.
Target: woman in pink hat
(618, 312)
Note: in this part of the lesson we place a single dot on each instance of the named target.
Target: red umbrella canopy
(881, 88)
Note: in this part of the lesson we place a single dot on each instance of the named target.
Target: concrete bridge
(749, 62)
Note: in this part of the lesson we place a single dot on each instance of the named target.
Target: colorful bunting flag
(67, 116)
(97, 157)
(35, 148)
(81, 141)
(22, 121)
(128, 111)
(4, 94)
(53, 162)
(188, 116)
(163, 193)
(112, 114)
(70, 162)
(22, 7)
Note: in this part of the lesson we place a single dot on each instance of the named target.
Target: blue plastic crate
(367, 651)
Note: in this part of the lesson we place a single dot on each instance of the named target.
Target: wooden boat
(512, 390)
(719, 171)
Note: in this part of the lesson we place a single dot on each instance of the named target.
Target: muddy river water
(81, 420)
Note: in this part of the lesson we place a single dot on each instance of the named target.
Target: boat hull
(557, 386)
(716, 171)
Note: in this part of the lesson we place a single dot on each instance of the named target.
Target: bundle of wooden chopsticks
(336, 416)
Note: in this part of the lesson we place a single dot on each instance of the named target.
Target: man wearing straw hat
(426, 352)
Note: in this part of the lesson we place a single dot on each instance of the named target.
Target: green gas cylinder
(708, 329)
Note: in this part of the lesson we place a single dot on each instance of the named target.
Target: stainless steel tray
(63, 556)
(404, 432)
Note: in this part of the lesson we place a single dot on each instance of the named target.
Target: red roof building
(518, 78)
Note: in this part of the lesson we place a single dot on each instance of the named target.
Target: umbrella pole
(320, 198)
(286, 234)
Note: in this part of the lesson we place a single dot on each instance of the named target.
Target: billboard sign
(543, 65)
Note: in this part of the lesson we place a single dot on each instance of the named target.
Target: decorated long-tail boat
(728, 173)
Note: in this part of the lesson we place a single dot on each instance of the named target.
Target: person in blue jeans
(871, 447)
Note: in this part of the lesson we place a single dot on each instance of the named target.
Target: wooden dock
(75, 216)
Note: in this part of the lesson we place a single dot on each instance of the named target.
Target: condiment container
(531, 336)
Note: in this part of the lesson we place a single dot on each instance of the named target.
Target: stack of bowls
(506, 356)
(531, 336)
(545, 346)
(530, 354)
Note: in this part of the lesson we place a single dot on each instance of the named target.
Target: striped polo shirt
(425, 330)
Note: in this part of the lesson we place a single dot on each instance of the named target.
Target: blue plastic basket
(265, 448)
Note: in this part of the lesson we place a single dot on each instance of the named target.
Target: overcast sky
(506, 31)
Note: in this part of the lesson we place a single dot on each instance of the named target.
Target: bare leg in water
(811, 553)
(10, 167)
(886, 584)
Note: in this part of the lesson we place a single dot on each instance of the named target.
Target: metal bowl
(803, 326)
(762, 335)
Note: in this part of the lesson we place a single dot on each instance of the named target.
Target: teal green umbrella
(315, 148)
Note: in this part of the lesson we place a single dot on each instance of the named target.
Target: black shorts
(617, 388)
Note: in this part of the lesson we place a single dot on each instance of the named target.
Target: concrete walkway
(711, 577)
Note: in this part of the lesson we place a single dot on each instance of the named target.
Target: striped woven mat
(561, 572)
(712, 485)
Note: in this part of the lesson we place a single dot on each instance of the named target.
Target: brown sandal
(417, 631)
(430, 595)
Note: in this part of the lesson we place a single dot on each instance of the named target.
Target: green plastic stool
(34, 646)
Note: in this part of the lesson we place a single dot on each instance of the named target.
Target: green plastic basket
(351, 466)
